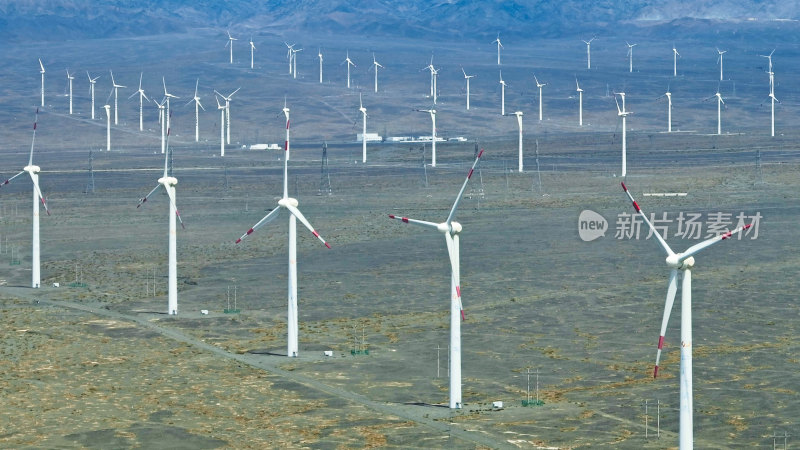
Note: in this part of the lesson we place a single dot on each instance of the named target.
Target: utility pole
(90, 183)
(325, 176)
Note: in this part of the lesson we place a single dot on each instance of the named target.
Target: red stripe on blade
(458, 291)
(405, 219)
(250, 231)
(314, 232)
(655, 372)
(636, 205)
(239, 240)
(327, 245)
(463, 317)
(391, 216)
(470, 174)
(660, 342)
(624, 188)
(480, 153)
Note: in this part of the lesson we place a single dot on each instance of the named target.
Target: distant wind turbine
(375, 65)
(589, 52)
(630, 55)
(499, 46)
(668, 95)
(230, 44)
(168, 96)
(719, 61)
(349, 63)
(197, 107)
(116, 88)
(675, 56)
(252, 52)
(92, 82)
(221, 109)
(467, 77)
(228, 113)
(540, 86)
(623, 113)
(142, 97)
(108, 127)
(502, 95)
(163, 122)
(771, 92)
(432, 112)
(319, 54)
(294, 61)
(720, 104)
(289, 55)
(41, 71)
(363, 129)
(580, 102)
(519, 123)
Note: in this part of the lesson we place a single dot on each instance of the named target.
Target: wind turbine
(289, 55)
(434, 76)
(683, 262)
(467, 77)
(499, 46)
(169, 181)
(252, 51)
(668, 95)
(228, 113)
(221, 109)
(142, 97)
(108, 127)
(167, 96)
(719, 61)
(630, 55)
(70, 77)
(451, 230)
(675, 56)
(519, 122)
(502, 95)
(116, 91)
(375, 65)
(720, 102)
(771, 91)
(92, 82)
(432, 112)
(41, 71)
(540, 86)
(197, 107)
(580, 102)
(624, 114)
(319, 54)
(589, 52)
(363, 129)
(163, 121)
(294, 61)
(349, 63)
(289, 204)
(33, 171)
(230, 43)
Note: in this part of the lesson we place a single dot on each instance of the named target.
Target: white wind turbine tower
(467, 77)
(163, 122)
(116, 91)
(33, 171)
(197, 107)
(41, 71)
(169, 181)
(502, 95)
(432, 112)
(519, 122)
(719, 61)
(70, 77)
(289, 55)
(319, 55)
(230, 43)
(624, 114)
(168, 96)
(451, 230)
(630, 55)
(289, 204)
(228, 113)
(252, 51)
(142, 97)
(363, 129)
(92, 82)
(499, 46)
(580, 102)
(349, 63)
(683, 262)
(675, 56)
(720, 102)
(540, 86)
(771, 92)
(589, 52)
(294, 61)
(668, 95)
(375, 65)
(108, 127)
(221, 109)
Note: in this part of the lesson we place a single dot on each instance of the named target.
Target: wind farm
(538, 299)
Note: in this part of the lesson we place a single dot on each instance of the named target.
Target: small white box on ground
(328, 352)
(56, 285)
(497, 405)
(204, 312)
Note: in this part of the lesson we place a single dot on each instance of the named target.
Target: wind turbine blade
(463, 187)
(39, 193)
(647, 221)
(33, 138)
(265, 220)
(231, 94)
(423, 223)
(171, 195)
(9, 180)
(144, 199)
(691, 251)
(296, 212)
(455, 269)
(672, 288)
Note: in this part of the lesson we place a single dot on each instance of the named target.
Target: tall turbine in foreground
(197, 107)
(621, 112)
(451, 230)
(230, 43)
(719, 61)
(580, 102)
(70, 77)
(41, 71)
(540, 86)
(519, 122)
(589, 52)
(363, 129)
(33, 171)
(169, 182)
(432, 112)
(467, 77)
(630, 55)
(683, 262)
(142, 97)
(289, 204)
(116, 88)
(375, 65)
(92, 82)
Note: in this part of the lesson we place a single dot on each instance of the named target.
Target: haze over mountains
(73, 19)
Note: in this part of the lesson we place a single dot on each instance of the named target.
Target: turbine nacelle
(675, 261)
(288, 201)
(452, 228)
(32, 169)
(168, 181)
